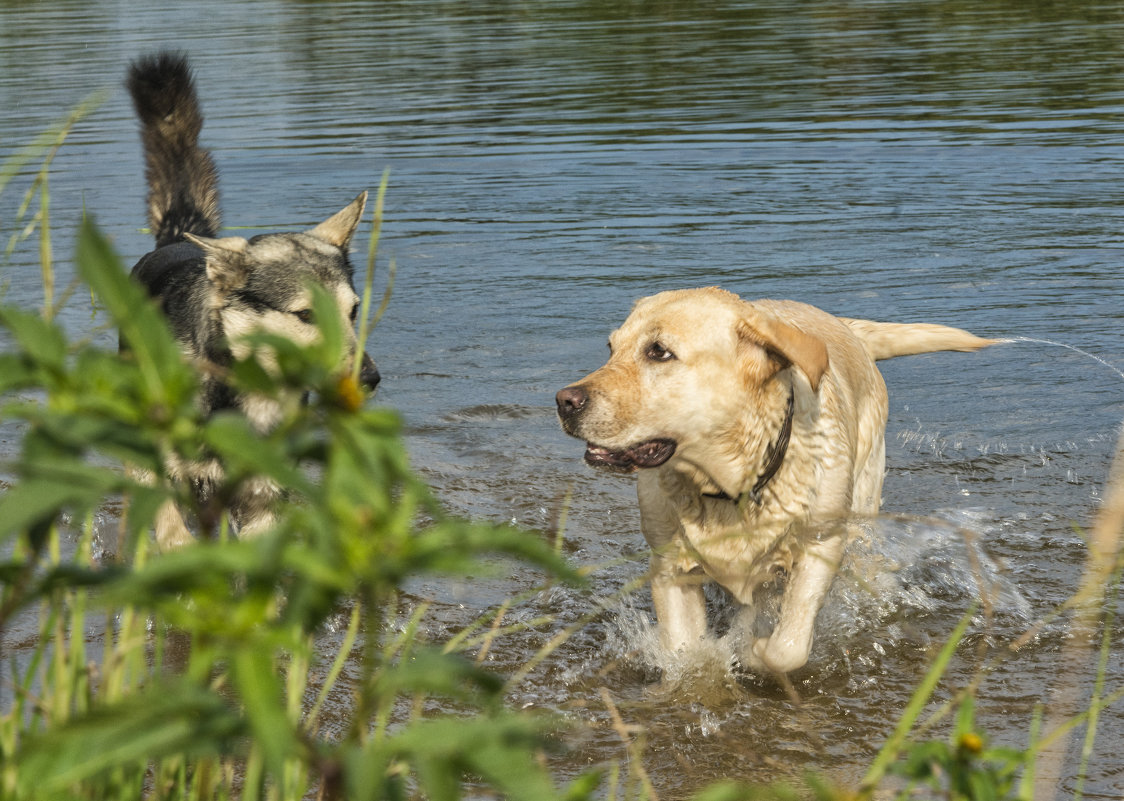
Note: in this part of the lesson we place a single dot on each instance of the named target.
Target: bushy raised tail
(182, 181)
(887, 340)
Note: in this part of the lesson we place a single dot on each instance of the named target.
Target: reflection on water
(552, 161)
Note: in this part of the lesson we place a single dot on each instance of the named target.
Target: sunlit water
(551, 162)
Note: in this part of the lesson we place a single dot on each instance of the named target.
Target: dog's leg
(256, 525)
(677, 596)
(680, 607)
(787, 648)
(171, 531)
(253, 509)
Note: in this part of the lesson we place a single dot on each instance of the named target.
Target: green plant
(225, 716)
(964, 766)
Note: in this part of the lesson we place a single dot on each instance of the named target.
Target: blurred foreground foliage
(200, 684)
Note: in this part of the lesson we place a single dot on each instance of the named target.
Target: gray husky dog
(216, 291)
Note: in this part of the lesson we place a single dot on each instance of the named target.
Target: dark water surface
(955, 162)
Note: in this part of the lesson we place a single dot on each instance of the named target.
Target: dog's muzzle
(368, 373)
(572, 401)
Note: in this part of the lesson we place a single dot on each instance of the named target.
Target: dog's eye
(305, 316)
(354, 313)
(658, 353)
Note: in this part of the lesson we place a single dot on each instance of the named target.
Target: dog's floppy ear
(338, 229)
(226, 260)
(807, 352)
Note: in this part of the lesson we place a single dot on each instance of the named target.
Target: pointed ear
(807, 352)
(227, 268)
(338, 229)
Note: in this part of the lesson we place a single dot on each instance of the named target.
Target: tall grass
(199, 674)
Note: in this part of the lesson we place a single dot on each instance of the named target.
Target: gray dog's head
(263, 284)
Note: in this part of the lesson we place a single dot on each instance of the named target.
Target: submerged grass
(189, 675)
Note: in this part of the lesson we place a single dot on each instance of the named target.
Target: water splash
(707, 673)
(905, 581)
(1092, 356)
(907, 567)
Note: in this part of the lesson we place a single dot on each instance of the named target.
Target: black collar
(774, 456)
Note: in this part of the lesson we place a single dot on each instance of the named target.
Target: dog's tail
(183, 192)
(887, 340)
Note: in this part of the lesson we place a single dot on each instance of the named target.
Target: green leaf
(245, 452)
(37, 501)
(981, 787)
(456, 547)
(366, 774)
(896, 742)
(42, 341)
(255, 677)
(251, 376)
(142, 327)
(16, 373)
(583, 787)
(499, 749)
(430, 671)
(965, 717)
(172, 718)
(200, 570)
(330, 348)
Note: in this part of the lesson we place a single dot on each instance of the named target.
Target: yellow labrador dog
(754, 425)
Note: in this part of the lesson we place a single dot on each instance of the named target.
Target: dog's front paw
(776, 657)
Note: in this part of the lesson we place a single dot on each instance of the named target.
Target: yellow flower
(971, 742)
(349, 393)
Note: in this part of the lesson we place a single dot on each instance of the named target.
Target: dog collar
(774, 456)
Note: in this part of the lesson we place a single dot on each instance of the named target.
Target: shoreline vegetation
(199, 674)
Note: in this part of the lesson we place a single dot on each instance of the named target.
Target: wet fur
(721, 398)
(216, 291)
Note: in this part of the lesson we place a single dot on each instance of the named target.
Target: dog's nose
(368, 373)
(571, 401)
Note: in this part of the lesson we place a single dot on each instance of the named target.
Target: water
(552, 161)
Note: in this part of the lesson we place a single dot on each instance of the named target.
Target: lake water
(947, 161)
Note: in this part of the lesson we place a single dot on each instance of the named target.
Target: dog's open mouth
(652, 453)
